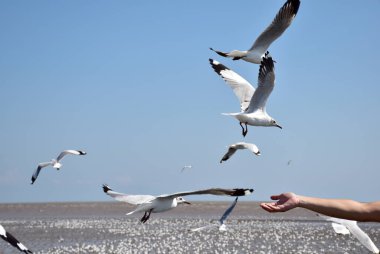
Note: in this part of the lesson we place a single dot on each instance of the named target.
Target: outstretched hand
(285, 202)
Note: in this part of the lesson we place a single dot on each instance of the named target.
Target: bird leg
(146, 216)
(244, 131)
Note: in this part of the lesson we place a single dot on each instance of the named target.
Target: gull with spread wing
(156, 204)
(280, 23)
(240, 145)
(252, 102)
(55, 162)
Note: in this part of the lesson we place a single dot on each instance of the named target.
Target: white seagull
(280, 23)
(156, 204)
(55, 162)
(222, 226)
(252, 102)
(13, 241)
(352, 227)
(186, 167)
(240, 145)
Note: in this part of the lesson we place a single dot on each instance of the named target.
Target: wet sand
(103, 227)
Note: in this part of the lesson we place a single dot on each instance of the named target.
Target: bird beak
(278, 126)
(187, 203)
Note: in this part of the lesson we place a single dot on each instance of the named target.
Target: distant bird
(222, 226)
(252, 102)
(280, 23)
(162, 203)
(186, 167)
(289, 161)
(352, 227)
(240, 145)
(13, 241)
(55, 162)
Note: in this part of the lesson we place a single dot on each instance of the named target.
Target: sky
(129, 82)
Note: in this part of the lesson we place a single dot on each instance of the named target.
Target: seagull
(186, 167)
(12, 240)
(55, 162)
(352, 226)
(222, 226)
(252, 102)
(162, 203)
(280, 23)
(240, 145)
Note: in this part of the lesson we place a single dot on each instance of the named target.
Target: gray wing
(241, 87)
(265, 85)
(13, 241)
(228, 211)
(230, 152)
(130, 199)
(38, 169)
(213, 191)
(74, 152)
(280, 23)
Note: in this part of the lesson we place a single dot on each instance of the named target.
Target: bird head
(274, 123)
(181, 200)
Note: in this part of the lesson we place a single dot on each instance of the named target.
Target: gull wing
(340, 229)
(13, 241)
(265, 85)
(130, 199)
(228, 211)
(74, 152)
(280, 23)
(359, 234)
(251, 147)
(38, 169)
(230, 152)
(356, 231)
(241, 87)
(213, 191)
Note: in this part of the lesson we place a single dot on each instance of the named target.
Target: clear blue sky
(129, 83)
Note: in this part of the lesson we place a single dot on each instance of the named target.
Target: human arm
(340, 208)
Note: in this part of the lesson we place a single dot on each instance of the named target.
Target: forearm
(342, 208)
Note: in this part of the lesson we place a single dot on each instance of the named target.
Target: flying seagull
(222, 226)
(240, 145)
(252, 102)
(280, 23)
(186, 167)
(55, 162)
(354, 229)
(162, 203)
(13, 241)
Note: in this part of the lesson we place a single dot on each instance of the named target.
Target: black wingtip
(106, 188)
(218, 67)
(242, 192)
(266, 65)
(295, 5)
(82, 153)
